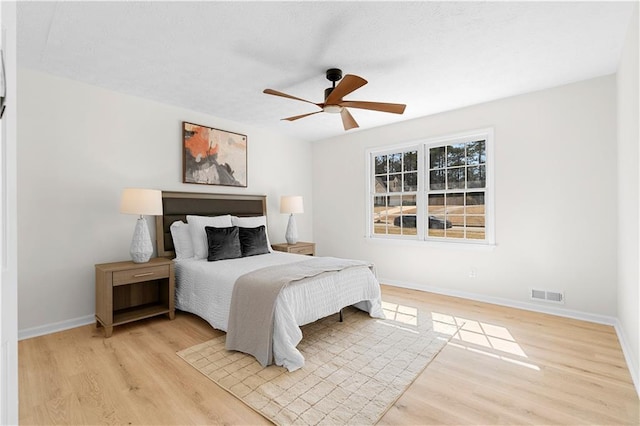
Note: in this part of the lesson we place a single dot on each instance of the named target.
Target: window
(395, 192)
(434, 190)
(456, 190)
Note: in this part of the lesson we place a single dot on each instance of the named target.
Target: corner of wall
(628, 203)
(628, 357)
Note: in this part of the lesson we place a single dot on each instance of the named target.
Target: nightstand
(127, 291)
(298, 248)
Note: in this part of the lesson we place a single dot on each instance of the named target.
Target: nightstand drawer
(140, 274)
(302, 250)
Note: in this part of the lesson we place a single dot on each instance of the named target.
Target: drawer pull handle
(146, 274)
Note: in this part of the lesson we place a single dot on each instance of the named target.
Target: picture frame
(212, 156)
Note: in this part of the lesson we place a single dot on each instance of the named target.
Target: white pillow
(199, 235)
(252, 222)
(181, 240)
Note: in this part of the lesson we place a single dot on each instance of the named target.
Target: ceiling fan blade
(296, 117)
(284, 95)
(347, 119)
(375, 106)
(348, 84)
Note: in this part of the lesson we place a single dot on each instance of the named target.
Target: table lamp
(291, 204)
(141, 202)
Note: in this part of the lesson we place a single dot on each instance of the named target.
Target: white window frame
(393, 150)
(422, 147)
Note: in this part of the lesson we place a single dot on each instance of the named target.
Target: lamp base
(141, 247)
(292, 231)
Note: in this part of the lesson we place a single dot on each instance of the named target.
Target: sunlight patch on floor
(482, 338)
(400, 313)
(410, 330)
(475, 336)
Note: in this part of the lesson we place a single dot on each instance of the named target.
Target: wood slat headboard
(177, 205)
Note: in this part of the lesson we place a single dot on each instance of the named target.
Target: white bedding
(205, 288)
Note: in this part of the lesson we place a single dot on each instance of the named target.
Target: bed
(206, 288)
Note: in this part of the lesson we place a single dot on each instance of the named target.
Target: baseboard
(55, 327)
(552, 310)
(626, 350)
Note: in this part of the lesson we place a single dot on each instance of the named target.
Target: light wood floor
(506, 367)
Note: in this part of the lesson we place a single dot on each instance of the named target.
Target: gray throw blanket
(251, 315)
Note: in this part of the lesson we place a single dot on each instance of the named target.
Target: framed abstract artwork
(213, 157)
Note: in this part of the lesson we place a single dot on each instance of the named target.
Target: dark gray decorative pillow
(224, 243)
(253, 241)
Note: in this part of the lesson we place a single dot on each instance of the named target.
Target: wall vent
(547, 296)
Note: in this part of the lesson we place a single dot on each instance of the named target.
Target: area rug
(354, 370)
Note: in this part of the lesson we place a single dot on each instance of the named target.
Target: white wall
(628, 201)
(555, 180)
(8, 228)
(79, 146)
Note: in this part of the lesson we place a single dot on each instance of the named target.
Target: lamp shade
(291, 204)
(141, 201)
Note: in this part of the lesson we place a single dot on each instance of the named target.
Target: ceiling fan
(334, 102)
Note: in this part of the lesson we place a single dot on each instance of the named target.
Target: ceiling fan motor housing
(333, 75)
(327, 92)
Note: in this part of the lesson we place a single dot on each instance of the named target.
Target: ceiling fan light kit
(334, 102)
(332, 109)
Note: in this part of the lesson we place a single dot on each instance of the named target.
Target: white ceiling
(217, 57)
